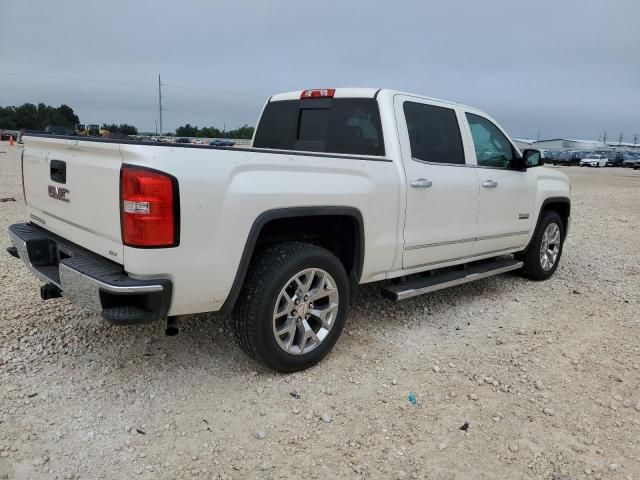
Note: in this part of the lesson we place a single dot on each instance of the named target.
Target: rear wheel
(292, 307)
(543, 254)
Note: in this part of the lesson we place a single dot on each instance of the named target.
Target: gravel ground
(544, 377)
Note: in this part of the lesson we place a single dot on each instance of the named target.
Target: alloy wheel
(550, 246)
(305, 311)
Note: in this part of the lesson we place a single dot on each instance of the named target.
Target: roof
(348, 92)
(339, 93)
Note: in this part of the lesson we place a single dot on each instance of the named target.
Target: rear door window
(434, 133)
(337, 125)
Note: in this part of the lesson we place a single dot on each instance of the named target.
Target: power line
(74, 78)
(128, 82)
(225, 92)
(128, 95)
(75, 92)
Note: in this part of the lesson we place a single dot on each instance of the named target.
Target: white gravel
(546, 374)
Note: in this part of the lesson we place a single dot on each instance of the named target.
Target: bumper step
(126, 315)
(422, 285)
(87, 279)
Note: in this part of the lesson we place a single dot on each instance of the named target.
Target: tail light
(149, 209)
(318, 93)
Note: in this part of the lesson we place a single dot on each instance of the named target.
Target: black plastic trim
(213, 147)
(176, 207)
(549, 201)
(24, 192)
(280, 213)
(58, 171)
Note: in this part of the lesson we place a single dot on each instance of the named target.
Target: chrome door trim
(466, 240)
(464, 165)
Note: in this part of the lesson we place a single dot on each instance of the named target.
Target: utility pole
(538, 134)
(635, 140)
(604, 139)
(160, 102)
(156, 127)
(620, 140)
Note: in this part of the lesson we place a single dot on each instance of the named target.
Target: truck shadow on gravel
(206, 341)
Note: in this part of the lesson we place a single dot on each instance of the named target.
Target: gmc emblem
(59, 193)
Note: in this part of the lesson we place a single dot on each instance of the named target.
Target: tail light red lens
(149, 208)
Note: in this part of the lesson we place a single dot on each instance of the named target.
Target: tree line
(123, 128)
(37, 117)
(188, 130)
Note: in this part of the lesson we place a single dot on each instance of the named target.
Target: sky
(553, 68)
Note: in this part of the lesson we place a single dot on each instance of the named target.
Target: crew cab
(340, 187)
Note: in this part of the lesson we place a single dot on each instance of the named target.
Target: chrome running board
(422, 285)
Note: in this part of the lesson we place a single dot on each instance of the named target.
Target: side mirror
(532, 158)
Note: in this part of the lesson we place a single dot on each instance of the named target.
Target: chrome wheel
(550, 246)
(305, 311)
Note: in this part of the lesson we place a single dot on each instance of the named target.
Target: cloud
(565, 68)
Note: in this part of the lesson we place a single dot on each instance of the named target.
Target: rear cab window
(329, 125)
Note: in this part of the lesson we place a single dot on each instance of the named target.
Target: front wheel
(543, 254)
(292, 307)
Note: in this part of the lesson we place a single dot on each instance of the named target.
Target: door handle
(489, 184)
(421, 183)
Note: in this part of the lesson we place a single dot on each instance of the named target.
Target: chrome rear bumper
(89, 280)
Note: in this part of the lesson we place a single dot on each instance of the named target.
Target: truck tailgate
(72, 188)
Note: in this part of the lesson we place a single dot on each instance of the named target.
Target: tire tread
(263, 268)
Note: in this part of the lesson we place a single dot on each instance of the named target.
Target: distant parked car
(594, 161)
(183, 140)
(222, 143)
(615, 159)
(631, 160)
(569, 158)
(551, 156)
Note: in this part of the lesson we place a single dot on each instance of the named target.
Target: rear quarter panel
(223, 191)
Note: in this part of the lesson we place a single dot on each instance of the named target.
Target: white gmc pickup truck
(340, 187)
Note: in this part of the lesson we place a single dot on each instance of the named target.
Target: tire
(273, 281)
(533, 267)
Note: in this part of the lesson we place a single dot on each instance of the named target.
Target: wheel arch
(269, 218)
(561, 205)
